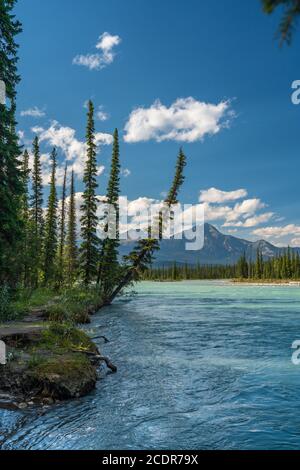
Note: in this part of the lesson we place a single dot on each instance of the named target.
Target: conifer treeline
(51, 235)
(178, 272)
(285, 266)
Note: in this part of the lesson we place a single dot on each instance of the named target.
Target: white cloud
(64, 138)
(213, 213)
(241, 214)
(215, 195)
(33, 112)
(186, 120)
(101, 115)
(245, 208)
(125, 172)
(97, 61)
(286, 234)
(138, 218)
(251, 221)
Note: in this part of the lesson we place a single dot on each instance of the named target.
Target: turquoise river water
(201, 365)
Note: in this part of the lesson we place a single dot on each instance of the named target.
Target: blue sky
(170, 50)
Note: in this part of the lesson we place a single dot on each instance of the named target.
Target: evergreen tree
(89, 249)
(62, 230)
(36, 214)
(71, 245)
(50, 238)
(289, 19)
(25, 250)
(11, 186)
(141, 257)
(242, 267)
(109, 266)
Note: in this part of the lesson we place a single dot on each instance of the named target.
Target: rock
(22, 405)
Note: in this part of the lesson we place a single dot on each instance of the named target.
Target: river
(201, 365)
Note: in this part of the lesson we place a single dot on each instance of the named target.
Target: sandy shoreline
(266, 283)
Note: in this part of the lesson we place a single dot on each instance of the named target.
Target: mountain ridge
(218, 248)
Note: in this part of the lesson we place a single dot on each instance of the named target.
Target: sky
(207, 76)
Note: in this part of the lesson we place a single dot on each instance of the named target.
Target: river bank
(48, 358)
(265, 282)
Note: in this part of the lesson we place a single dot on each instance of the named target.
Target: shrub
(5, 305)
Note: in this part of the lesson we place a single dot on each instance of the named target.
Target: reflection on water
(201, 365)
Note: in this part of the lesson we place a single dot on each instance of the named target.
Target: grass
(69, 305)
(56, 359)
(65, 337)
(65, 366)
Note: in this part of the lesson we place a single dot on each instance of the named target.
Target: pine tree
(36, 214)
(26, 259)
(109, 266)
(242, 267)
(71, 245)
(62, 231)
(11, 186)
(50, 238)
(90, 242)
(142, 255)
(290, 17)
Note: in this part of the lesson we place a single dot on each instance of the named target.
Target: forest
(40, 252)
(286, 266)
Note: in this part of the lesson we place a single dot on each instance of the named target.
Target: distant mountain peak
(218, 248)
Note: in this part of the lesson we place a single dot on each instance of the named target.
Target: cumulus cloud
(214, 195)
(64, 138)
(221, 206)
(186, 120)
(101, 115)
(33, 112)
(98, 60)
(287, 234)
(125, 172)
(138, 218)
(251, 221)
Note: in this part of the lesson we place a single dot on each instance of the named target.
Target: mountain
(217, 249)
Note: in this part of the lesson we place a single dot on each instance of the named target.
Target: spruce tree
(50, 237)
(11, 186)
(62, 230)
(25, 247)
(89, 249)
(142, 255)
(109, 266)
(71, 244)
(36, 214)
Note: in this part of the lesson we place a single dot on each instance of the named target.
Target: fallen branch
(105, 359)
(101, 337)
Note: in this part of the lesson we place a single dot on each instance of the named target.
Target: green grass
(65, 337)
(26, 299)
(69, 305)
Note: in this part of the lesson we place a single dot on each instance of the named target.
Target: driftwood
(105, 359)
(101, 337)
